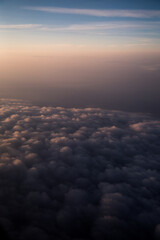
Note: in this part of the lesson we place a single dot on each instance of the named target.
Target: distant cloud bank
(82, 174)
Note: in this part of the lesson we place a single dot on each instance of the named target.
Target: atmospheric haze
(119, 81)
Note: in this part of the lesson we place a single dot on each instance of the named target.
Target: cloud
(103, 26)
(20, 26)
(100, 13)
(152, 68)
(78, 173)
(95, 26)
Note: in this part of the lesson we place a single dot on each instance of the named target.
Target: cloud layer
(82, 174)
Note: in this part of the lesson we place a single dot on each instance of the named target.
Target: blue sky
(13, 10)
(95, 23)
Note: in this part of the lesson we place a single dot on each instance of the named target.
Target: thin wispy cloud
(95, 26)
(100, 13)
(103, 26)
(20, 26)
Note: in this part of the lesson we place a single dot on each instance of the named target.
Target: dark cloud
(82, 174)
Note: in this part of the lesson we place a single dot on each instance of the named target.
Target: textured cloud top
(82, 174)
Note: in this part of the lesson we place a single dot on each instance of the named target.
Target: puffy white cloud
(78, 173)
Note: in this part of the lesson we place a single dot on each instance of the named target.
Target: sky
(102, 25)
(79, 119)
(56, 51)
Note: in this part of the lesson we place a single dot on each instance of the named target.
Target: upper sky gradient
(105, 25)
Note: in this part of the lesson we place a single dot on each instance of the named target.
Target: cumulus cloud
(78, 173)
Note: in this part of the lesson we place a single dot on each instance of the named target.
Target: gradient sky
(80, 24)
(58, 51)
